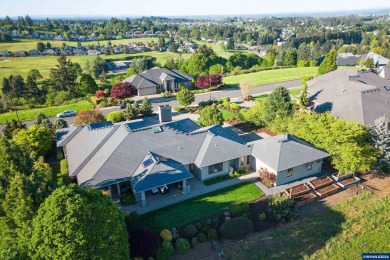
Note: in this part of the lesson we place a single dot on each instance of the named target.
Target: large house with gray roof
(142, 155)
(360, 96)
(159, 79)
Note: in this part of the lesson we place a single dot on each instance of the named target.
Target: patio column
(119, 189)
(184, 187)
(109, 190)
(143, 199)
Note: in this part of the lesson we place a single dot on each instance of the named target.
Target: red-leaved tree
(207, 81)
(123, 90)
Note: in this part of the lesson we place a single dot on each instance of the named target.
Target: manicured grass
(226, 114)
(346, 231)
(201, 207)
(48, 111)
(272, 76)
(293, 92)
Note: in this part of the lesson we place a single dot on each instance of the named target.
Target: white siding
(299, 172)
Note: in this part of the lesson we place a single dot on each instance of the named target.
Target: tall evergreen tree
(380, 133)
(328, 64)
(146, 108)
(278, 102)
(64, 76)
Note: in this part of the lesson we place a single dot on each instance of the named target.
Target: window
(309, 166)
(215, 168)
(290, 172)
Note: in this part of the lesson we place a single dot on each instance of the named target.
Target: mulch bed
(257, 207)
(266, 131)
(321, 182)
(328, 190)
(298, 190)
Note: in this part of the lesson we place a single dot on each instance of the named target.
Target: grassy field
(272, 76)
(48, 111)
(358, 225)
(219, 50)
(198, 208)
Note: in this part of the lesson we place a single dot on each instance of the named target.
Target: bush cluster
(166, 250)
(115, 117)
(212, 233)
(281, 208)
(190, 231)
(166, 235)
(236, 228)
(201, 237)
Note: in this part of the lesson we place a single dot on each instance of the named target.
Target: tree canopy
(328, 64)
(75, 223)
(210, 115)
(279, 101)
(185, 97)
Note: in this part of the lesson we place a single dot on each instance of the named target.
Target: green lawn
(272, 76)
(226, 114)
(358, 225)
(293, 92)
(30, 114)
(201, 207)
(219, 50)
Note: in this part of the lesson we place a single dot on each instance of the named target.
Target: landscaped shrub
(245, 168)
(143, 242)
(215, 221)
(194, 241)
(166, 235)
(60, 154)
(226, 104)
(212, 233)
(132, 217)
(115, 117)
(237, 228)
(201, 237)
(227, 218)
(281, 208)
(223, 99)
(238, 209)
(182, 246)
(198, 226)
(190, 231)
(266, 177)
(127, 199)
(165, 251)
(234, 106)
(262, 216)
(64, 167)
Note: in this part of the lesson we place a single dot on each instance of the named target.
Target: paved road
(234, 93)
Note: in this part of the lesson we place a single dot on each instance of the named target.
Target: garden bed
(349, 181)
(321, 182)
(328, 190)
(298, 190)
(341, 177)
(305, 199)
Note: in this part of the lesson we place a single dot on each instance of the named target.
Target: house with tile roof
(144, 154)
(360, 96)
(159, 79)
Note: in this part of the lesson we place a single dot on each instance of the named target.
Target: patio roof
(155, 171)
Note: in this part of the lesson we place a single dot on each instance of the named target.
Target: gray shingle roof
(376, 57)
(347, 59)
(344, 93)
(285, 151)
(156, 76)
(160, 172)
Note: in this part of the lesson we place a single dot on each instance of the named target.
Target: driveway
(156, 101)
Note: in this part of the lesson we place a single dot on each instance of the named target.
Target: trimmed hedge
(236, 228)
(64, 167)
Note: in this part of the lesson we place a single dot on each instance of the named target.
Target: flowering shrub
(100, 94)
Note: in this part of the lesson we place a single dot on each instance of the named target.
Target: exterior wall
(146, 91)
(205, 172)
(235, 163)
(260, 164)
(253, 163)
(299, 172)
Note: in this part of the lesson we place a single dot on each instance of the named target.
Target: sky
(121, 8)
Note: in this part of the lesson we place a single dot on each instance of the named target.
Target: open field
(272, 76)
(218, 49)
(358, 225)
(30, 114)
(293, 92)
(195, 209)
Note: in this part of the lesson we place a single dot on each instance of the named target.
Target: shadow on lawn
(315, 225)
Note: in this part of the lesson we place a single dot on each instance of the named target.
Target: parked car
(67, 113)
(164, 189)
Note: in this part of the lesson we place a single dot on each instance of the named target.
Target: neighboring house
(49, 52)
(79, 52)
(34, 53)
(384, 72)
(360, 96)
(20, 53)
(5, 53)
(142, 155)
(378, 59)
(347, 59)
(148, 82)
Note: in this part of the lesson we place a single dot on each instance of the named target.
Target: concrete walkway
(158, 201)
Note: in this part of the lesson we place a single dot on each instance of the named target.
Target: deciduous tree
(185, 97)
(89, 116)
(210, 115)
(35, 139)
(123, 90)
